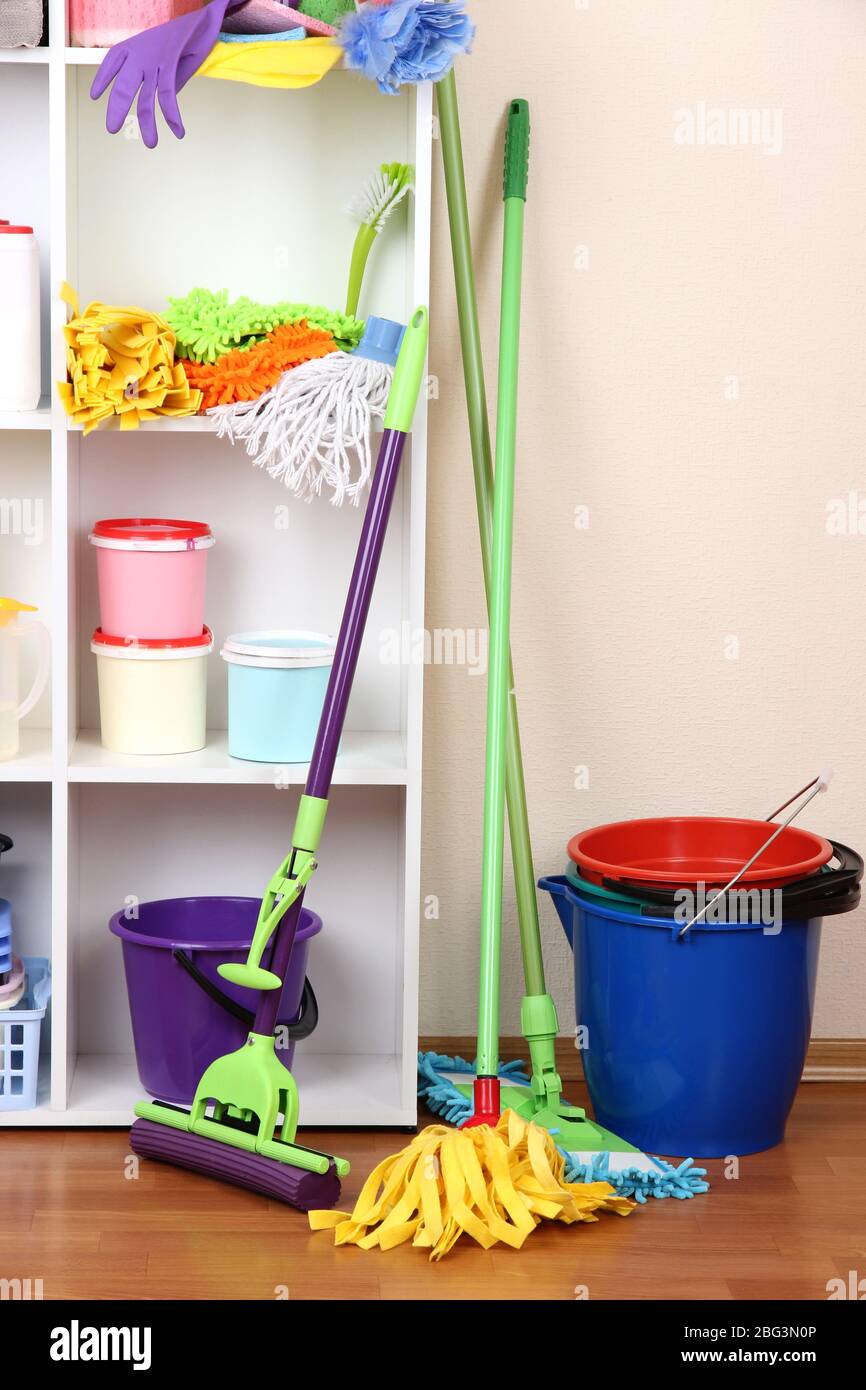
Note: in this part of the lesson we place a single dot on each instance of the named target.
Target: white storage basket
(19, 1037)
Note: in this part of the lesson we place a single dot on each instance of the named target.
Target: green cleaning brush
(372, 208)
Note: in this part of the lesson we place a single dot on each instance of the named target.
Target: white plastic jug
(12, 633)
(20, 365)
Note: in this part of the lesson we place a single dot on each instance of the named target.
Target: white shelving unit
(252, 200)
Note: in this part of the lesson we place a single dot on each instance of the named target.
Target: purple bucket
(170, 955)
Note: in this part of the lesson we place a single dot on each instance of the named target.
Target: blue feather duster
(407, 41)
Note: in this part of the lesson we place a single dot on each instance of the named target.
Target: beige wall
(708, 498)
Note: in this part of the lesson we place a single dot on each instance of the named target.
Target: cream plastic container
(152, 574)
(20, 364)
(152, 694)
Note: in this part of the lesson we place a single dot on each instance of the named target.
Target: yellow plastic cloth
(120, 361)
(490, 1184)
(269, 64)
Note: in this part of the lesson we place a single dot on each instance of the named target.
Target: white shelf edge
(24, 55)
(171, 424)
(92, 57)
(368, 759)
(168, 424)
(33, 761)
(38, 419)
(83, 57)
(336, 1090)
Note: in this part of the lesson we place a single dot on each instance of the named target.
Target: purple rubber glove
(157, 64)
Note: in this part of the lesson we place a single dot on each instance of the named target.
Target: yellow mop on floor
(490, 1184)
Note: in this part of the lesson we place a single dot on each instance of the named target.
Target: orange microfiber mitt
(245, 375)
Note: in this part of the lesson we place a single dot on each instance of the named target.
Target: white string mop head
(312, 431)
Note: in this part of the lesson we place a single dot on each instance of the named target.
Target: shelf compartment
(171, 842)
(367, 759)
(300, 250)
(24, 187)
(25, 816)
(335, 1089)
(26, 574)
(278, 562)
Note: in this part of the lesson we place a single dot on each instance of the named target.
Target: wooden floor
(794, 1219)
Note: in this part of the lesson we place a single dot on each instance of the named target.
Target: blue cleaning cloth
(298, 32)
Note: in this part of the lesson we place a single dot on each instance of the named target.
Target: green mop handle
(498, 683)
(482, 464)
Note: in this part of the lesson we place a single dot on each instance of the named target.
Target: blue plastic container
(692, 1047)
(277, 683)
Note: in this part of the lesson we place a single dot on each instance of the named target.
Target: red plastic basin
(675, 850)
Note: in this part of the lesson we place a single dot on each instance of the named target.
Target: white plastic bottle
(20, 367)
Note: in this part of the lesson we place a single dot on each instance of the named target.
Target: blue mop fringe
(441, 1096)
(684, 1181)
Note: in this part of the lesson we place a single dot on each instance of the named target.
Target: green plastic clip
(408, 373)
(289, 881)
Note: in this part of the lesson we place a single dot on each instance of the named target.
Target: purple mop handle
(355, 614)
(339, 687)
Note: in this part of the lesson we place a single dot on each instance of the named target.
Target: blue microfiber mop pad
(440, 1094)
(635, 1175)
(658, 1179)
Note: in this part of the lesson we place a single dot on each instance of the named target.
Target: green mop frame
(587, 1145)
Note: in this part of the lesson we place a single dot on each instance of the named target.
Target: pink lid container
(152, 575)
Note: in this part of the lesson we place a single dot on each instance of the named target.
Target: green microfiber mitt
(347, 330)
(208, 324)
(329, 11)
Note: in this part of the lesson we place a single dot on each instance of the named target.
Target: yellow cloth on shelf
(491, 1184)
(120, 361)
(268, 64)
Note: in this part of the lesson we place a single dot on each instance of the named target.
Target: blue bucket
(277, 683)
(692, 1047)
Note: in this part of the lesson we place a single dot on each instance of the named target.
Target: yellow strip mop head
(120, 361)
(491, 1184)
